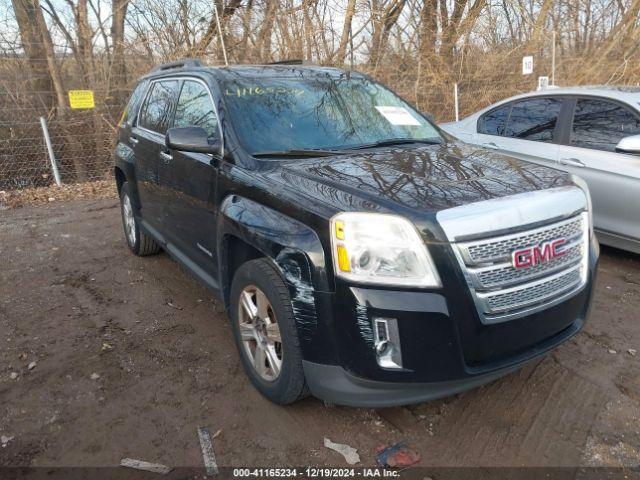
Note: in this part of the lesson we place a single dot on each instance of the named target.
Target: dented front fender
(296, 251)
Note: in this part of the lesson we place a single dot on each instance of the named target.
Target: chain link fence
(81, 142)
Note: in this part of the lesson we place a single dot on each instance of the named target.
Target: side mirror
(629, 145)
(190, 139)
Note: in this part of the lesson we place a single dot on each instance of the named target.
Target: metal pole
(455, 94)
(553, 59)
(52, 157)
(224, 49)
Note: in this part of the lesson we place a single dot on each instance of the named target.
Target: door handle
(571, 162)
(134, 140)
(166, 157)
(491, 145)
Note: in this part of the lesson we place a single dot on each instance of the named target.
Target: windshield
(283, 114)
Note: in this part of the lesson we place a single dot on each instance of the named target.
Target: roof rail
(187, 62)
(289, 62)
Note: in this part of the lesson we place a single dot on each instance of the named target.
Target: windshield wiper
(397, 141)
(298, 153)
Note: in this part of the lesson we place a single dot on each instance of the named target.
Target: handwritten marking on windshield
(258, 90)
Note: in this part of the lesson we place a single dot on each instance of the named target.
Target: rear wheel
(139, 242)
(265, 332)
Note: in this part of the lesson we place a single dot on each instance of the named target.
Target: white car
(593, 132)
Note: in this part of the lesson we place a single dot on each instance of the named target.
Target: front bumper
(334, 384)
(446, 348)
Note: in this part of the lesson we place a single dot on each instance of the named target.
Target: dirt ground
(132, 355)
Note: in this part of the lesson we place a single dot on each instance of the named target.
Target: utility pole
(553, 59)
(455, 96)
(224, 49)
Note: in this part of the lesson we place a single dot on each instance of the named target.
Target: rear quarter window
(534, 119)
(494, 122)
(531, 119)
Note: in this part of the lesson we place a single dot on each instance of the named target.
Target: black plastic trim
(334, 384)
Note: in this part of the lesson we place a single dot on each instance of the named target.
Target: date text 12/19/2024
(315, 472)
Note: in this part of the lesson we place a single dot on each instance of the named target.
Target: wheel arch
(124, 171)
(120, 177)
(248, 230)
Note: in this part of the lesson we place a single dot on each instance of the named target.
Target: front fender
(297, 253)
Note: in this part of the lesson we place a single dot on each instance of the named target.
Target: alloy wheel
(129, 220)
(259, 333)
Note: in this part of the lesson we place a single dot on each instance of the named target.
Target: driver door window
(601, 124)
(196, 109)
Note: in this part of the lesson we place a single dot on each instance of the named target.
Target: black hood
(416, 180)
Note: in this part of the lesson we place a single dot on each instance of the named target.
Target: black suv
(363, 255)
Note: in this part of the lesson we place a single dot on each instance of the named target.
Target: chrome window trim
(179, 78)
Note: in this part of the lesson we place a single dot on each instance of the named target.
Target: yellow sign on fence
(81, 99)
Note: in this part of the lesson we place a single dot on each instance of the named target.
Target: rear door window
(601, 124)
(134, 102)
(495, 122)
(158, 107)
(534, 119)
(195, 108)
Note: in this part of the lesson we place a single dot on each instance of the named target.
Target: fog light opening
(387, 343)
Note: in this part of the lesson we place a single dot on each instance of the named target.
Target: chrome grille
(503, 292)
(530, 293)
(501, 248)
(505, 274)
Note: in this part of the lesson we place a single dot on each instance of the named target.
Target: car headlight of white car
(381, 249)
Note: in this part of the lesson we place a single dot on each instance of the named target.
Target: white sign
(527, 65)
(543, 83)
(397, 116)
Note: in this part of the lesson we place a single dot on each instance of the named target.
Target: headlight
(381, 249)
(585, 188)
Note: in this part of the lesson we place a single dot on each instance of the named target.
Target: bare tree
(28, 18)
(263, 42)
(225, 13)
(384, 15)
(118, 76)
(346, 31)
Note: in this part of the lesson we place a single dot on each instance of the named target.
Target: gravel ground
(104, 355)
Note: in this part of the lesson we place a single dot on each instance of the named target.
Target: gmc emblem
(532, 256)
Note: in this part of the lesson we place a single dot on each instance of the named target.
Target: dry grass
(41, 195)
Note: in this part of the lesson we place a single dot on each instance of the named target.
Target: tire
(289, 384)
(139, 242)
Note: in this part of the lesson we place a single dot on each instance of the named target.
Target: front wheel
(265, 332)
